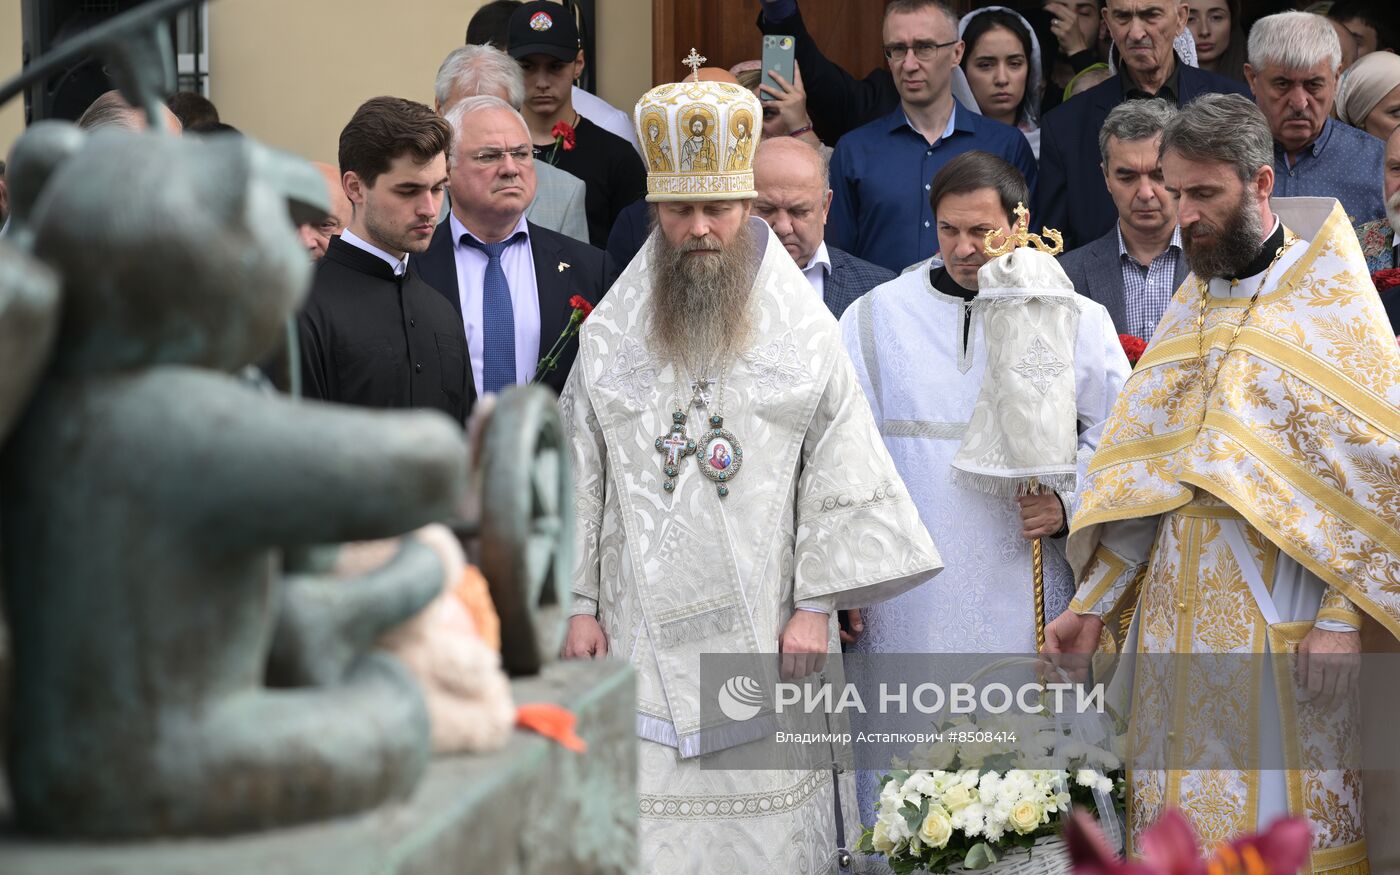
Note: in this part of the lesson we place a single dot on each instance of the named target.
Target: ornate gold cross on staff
(1021, 236)
(693, 61)
(995, 245)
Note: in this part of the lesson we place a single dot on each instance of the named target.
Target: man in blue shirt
(881, 172)
(1292, 69)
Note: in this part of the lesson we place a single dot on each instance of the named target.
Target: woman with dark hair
(1218, 30)
(1000, 76)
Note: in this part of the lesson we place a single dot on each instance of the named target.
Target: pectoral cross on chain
(674, 447)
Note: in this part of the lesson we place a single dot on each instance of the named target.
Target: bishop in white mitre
(731, 495)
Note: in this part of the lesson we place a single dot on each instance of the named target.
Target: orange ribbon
(553, 722)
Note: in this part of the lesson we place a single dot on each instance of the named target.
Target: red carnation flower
(1386, 279)
(563, 134)
(581, 308)
(1133, 347)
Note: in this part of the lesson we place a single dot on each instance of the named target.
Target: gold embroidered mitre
(698, 139)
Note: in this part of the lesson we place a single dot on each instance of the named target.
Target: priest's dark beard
(700, 303)
(1233, 246)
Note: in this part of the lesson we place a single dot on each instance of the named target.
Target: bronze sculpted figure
(148, 497)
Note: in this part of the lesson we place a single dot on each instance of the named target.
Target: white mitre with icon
(699, 139)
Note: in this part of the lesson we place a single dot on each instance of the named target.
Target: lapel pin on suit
(563, 266)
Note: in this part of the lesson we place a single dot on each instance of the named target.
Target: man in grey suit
(473, 70)
(1134, 269)
(793, 198)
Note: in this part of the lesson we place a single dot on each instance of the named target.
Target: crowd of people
(788, 282)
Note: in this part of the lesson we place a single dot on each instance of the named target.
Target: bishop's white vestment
(817, 517)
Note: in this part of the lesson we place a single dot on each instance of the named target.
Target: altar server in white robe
(919, 348)
(731, 494)
(920, 351)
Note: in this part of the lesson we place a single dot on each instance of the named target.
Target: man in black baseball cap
(544, 28)
(543, 37)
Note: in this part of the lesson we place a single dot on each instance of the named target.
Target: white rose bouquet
(967, 808)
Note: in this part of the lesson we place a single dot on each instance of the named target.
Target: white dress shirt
(605, 116)
(817, 269)
(518, 262)
(398, 265)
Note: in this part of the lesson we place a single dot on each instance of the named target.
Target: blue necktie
(498, 318)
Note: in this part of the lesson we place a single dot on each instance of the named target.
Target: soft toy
(468, 695)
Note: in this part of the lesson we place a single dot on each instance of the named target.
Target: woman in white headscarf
(1368, 98)
(1000, 76)
(1369, 95)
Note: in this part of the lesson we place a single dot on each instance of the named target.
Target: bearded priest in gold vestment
(731, 493)
(1245, 497)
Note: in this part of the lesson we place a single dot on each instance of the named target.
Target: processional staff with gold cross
(1028, 378)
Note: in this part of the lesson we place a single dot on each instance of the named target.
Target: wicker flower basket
(1049, 856)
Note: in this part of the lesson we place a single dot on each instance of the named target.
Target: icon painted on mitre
(741, 140)
(541, 21)
(656, 140)
(720, 456)
(698, 148)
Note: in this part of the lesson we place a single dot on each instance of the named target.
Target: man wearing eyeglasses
(881, 172)
(509, 279)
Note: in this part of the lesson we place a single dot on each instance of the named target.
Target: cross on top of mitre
(694, 60)
(1021, 236)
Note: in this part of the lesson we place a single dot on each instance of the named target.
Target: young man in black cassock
(373, 333)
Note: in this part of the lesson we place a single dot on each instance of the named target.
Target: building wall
(291, 74)
(12, 114)
(624, 46)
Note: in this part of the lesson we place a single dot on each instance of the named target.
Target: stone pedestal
(533, 807)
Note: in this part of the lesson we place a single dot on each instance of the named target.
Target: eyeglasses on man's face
(923, 50)
(492, 157)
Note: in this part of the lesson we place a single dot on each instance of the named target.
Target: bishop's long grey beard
(1392, 212)
(700, 304)
(1234, 246)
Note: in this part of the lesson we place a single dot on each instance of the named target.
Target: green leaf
(867, 842)
(911, 816)
(980, 856)
(899, 776)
